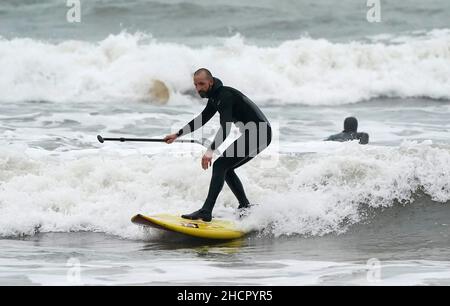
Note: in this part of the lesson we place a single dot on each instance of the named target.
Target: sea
(326, 213)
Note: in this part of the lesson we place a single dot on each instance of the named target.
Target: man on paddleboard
(233, 107)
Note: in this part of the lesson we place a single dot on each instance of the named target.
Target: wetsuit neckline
(215, 89)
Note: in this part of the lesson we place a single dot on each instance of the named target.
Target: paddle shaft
(123, 139)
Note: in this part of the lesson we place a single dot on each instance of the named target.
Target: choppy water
(325, 209)
(202, 22)
(401, 246)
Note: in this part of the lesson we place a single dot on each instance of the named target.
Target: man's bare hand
(170, 138)
(207, 159)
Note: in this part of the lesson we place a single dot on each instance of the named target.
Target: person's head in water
(203, 81)
(350, 124)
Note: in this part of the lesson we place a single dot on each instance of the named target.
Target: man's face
(202, 84)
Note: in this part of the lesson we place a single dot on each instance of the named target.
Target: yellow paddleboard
(216, 229)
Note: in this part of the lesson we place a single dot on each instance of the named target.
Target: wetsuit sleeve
(198, 121)
(363, 138)
(226, 119)
(332, 138)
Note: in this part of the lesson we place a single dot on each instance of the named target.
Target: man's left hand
(207, 159)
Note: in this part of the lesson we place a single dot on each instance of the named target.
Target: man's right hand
(170, 138)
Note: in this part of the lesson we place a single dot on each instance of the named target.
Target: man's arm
(363, 138)
(198, 121)
(226, 119)
(332, 138)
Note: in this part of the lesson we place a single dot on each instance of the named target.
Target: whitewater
(303, 71)
(327, 213)
(314, 194)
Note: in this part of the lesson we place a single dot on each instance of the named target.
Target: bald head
(204, 72)
(203, 81)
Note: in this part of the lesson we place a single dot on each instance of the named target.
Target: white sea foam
(310, 194)
(303, 71)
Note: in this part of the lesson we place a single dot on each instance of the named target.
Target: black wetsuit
(350, 132)
(233, 107)
(347, 136)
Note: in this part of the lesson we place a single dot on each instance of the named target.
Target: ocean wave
(312, 194)
(308, 71)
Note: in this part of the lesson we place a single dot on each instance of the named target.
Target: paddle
(203, 142)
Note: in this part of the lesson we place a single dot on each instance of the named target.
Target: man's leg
(237, 154)
(232, 179)
(236, 187)
(221, 167)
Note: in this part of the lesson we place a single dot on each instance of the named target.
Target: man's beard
(204, 94)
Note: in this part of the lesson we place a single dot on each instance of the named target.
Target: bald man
(234, 108)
